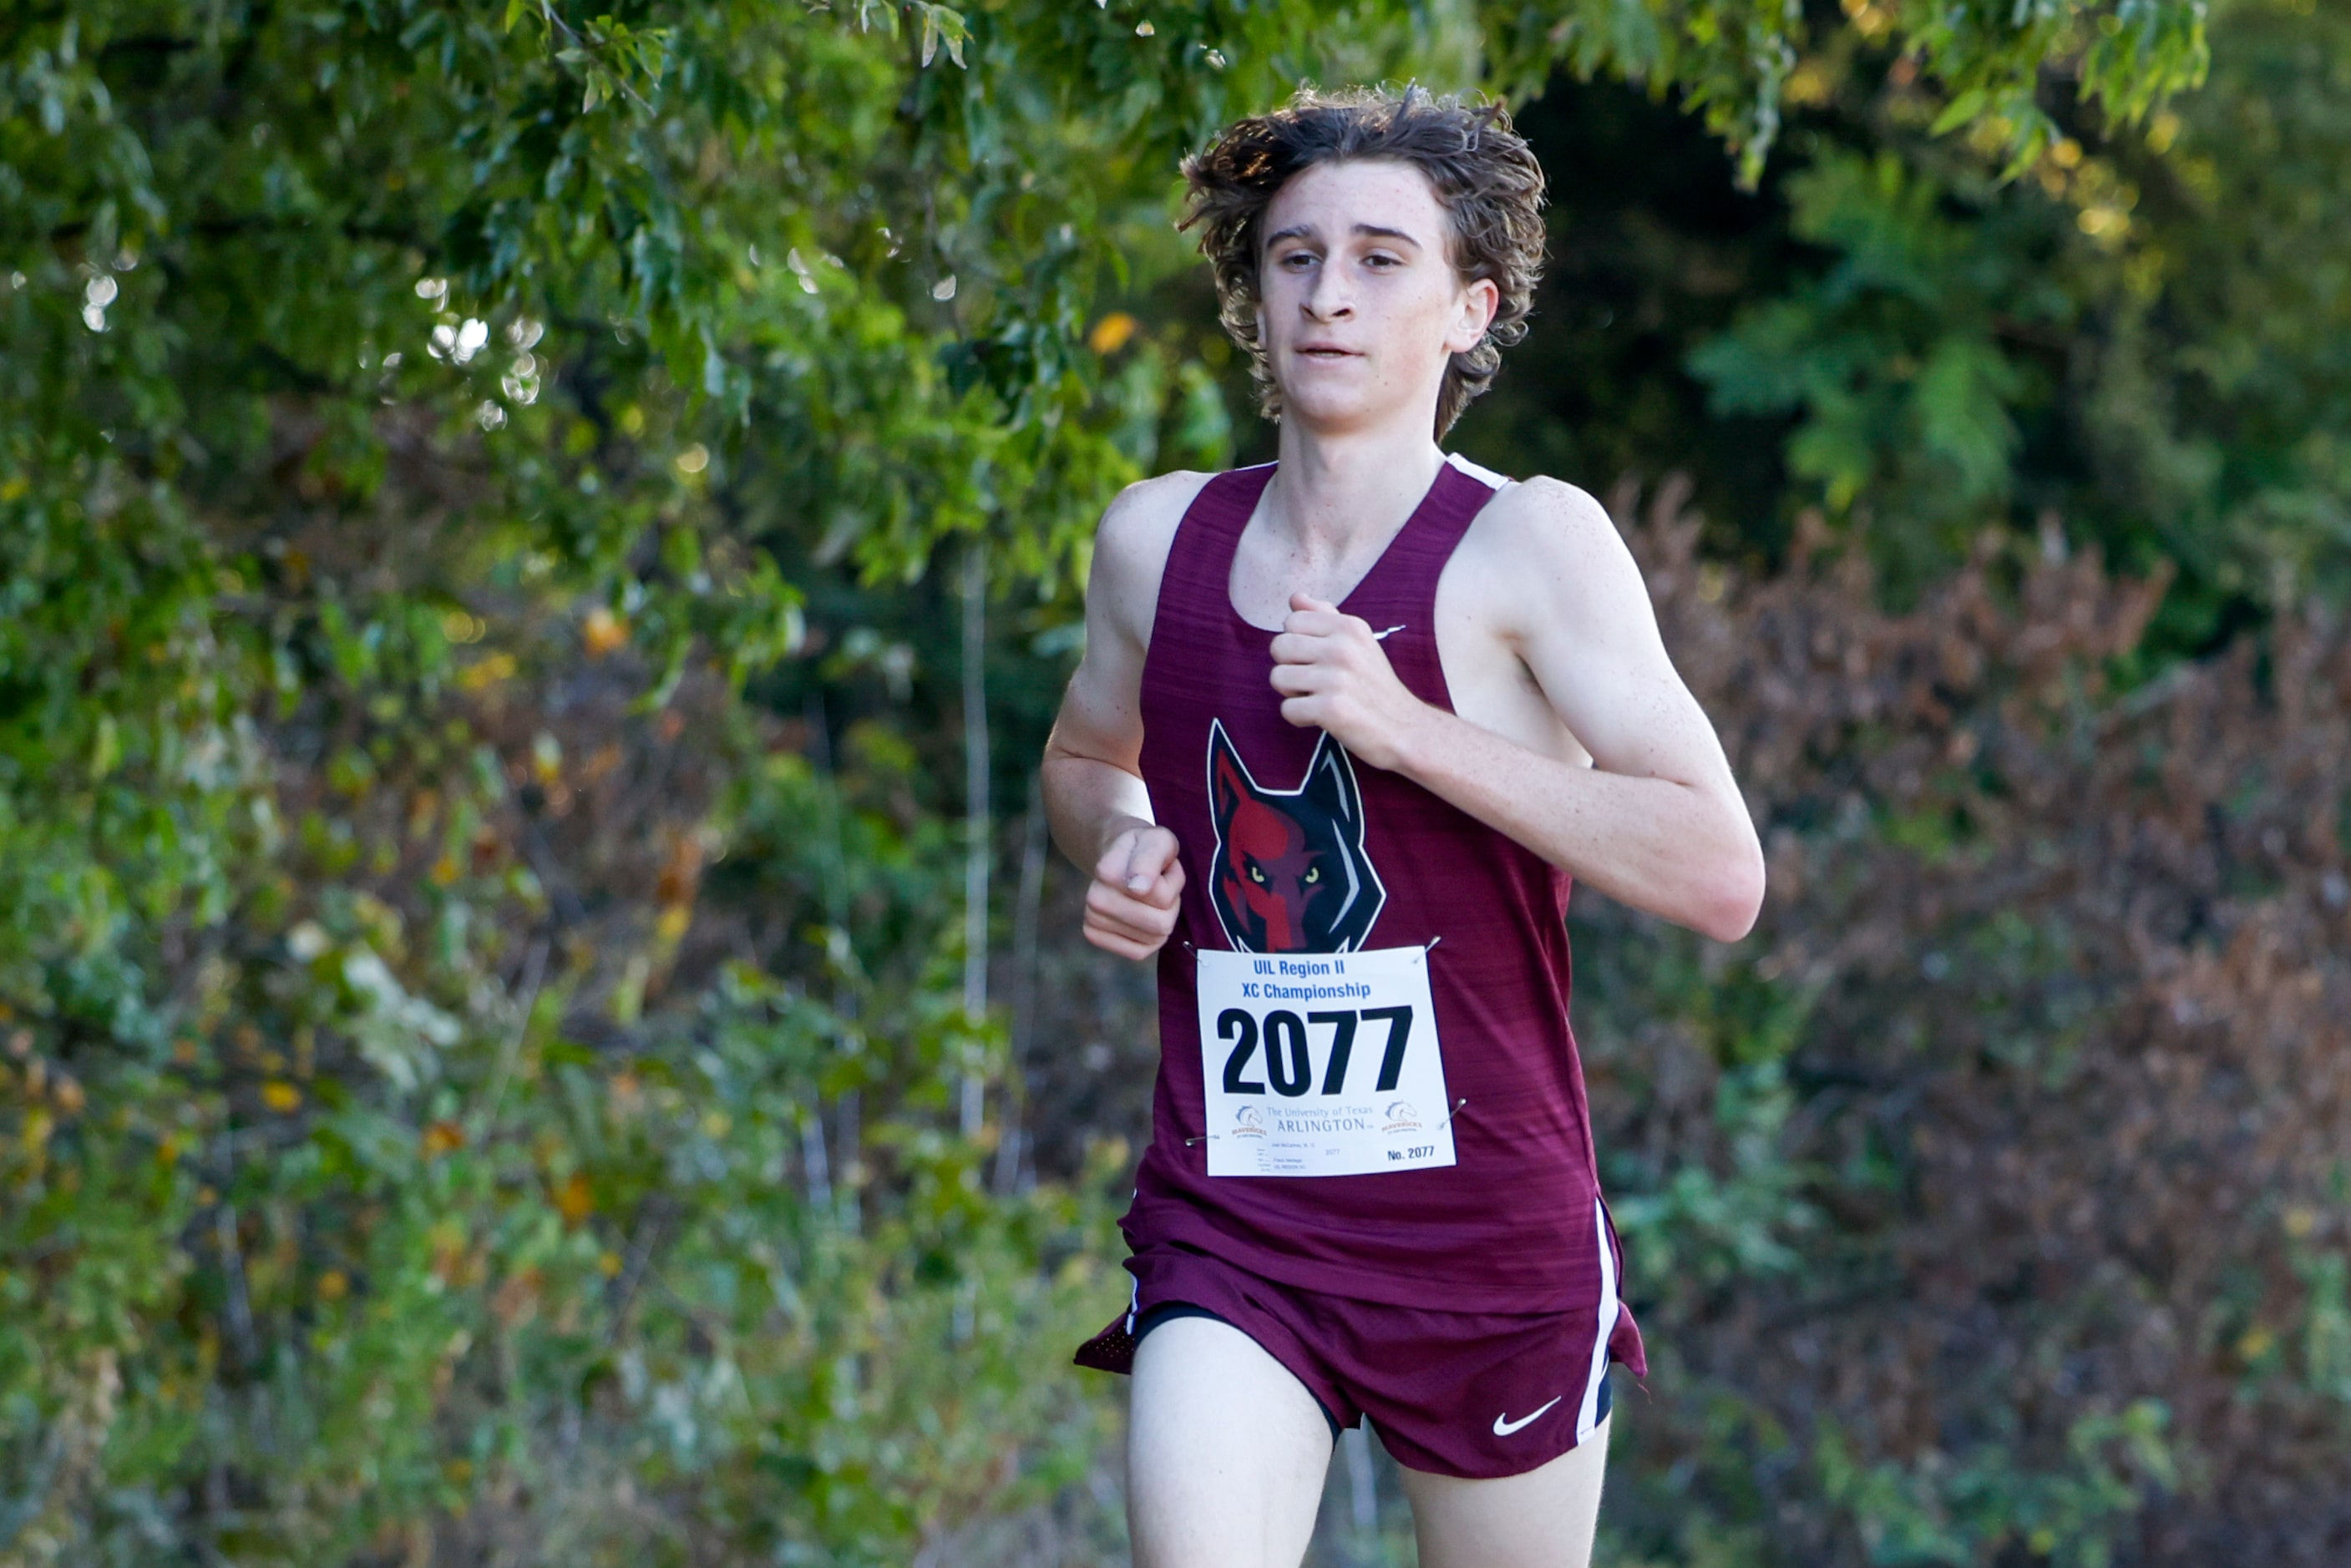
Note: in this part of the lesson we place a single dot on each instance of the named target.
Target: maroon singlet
(1515, 1225)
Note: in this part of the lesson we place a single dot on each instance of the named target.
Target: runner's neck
(1331, 495)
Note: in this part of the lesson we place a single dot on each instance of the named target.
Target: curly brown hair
(1483, 172)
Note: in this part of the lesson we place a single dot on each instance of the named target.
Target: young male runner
(1345, 727)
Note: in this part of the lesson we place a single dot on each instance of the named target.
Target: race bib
(1322, 1064)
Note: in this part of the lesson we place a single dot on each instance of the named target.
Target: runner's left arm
(1655, 822)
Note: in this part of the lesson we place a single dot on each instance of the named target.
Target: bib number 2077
(1289, 1059)
(1322, 1064)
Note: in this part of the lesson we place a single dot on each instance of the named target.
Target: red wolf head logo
(1290, 874)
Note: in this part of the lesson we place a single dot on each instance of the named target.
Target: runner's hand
(1130, 907)
(1332, 673)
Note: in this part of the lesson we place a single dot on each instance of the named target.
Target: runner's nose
(1327, 296)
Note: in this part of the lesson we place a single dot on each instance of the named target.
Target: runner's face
(1361, 307)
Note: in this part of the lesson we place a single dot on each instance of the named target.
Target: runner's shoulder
(1545, 536)
(1144, 514)
(1542, 514)
(1137, 528)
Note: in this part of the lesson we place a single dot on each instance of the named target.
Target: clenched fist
(1333, 674)
(1130, 907)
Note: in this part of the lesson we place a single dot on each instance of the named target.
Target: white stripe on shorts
(1588, 1416)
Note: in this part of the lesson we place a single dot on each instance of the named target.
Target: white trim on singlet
(1479, 472)
(1588, 1416)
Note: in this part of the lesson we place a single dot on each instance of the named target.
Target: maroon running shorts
(1475, 1394)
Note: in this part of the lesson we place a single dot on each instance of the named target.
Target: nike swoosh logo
(1504, 1426)
(1384, 635)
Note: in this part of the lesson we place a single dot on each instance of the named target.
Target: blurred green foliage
(2138, 342)
(479, 909)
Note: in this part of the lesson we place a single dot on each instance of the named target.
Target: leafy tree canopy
(2139, 344)
(445, 1025)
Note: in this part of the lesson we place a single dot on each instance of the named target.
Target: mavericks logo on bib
(1313, 1065)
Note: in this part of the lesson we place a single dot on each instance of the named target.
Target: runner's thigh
(1226, 1452)
(1543, 1519)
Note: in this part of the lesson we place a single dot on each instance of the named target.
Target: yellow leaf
(575, 1199)
(603, 632)
(1111, 333)
(334, 1286)
(280, 1095)
(497, 667)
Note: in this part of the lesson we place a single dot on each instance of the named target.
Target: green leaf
(1962, 110)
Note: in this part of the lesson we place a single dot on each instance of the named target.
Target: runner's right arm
(1094, 797)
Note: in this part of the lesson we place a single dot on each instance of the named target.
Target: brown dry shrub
(2069, 1079)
